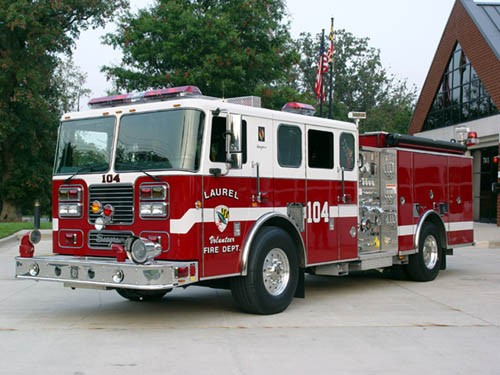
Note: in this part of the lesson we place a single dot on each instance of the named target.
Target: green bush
(6, 229)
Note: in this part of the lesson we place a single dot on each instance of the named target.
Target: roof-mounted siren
(145, 96)
(465, 136)
(356, 116)
(300, 108)
(171, 92)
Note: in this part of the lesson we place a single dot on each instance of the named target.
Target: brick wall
(461, 28)
(498, 195)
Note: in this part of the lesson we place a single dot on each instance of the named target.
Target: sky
(407, 32)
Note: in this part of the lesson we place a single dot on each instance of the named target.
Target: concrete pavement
(486, 235)
(360, 324)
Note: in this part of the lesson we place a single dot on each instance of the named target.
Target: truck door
(321, 195)
(231, 202)
(289, 170)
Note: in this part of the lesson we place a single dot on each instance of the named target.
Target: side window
(289, 146)
(347, 151)
(218, 140)
(320, 149)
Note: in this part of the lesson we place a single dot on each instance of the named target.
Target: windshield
(84, 145)
(160, 140)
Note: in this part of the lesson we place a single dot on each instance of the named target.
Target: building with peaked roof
(462, 93)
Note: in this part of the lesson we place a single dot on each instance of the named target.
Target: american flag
(322, 69)
(325, 63)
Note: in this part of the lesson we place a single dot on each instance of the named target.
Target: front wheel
(425, 265)
(273, 274)
(142, 295)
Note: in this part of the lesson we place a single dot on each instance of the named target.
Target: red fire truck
(170, 188)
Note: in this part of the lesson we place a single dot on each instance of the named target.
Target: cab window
(289, 146)
(319, 149)
(218, 140)
(347, 151)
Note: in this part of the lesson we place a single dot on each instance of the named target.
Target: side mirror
(234, 140)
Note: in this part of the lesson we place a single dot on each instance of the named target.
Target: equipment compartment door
(431, 184)
(347, 194)
(460, 224)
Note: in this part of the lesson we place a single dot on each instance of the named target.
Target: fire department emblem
(221, 217)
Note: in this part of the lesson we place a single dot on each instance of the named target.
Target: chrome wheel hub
(430, 252)
(276, 272)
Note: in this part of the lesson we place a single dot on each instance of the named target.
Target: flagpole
(321, 53)
(330, 62)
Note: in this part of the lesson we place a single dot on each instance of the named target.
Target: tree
(227, 48)
(32, 34)
(70, 81)
(360, 82)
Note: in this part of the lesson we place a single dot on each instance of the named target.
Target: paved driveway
(360, 324)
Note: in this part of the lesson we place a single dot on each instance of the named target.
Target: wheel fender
(434, 218)
(277, 220)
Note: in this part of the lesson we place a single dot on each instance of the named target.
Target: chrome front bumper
(105, 273)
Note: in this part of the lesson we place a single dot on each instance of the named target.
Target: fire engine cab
(170, 188)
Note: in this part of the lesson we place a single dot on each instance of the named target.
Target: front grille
(106, 238)
(121, 197)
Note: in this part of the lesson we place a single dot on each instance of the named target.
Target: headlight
(70, 199)
(72, 209)
(141, 250)
(154, 200)
(153, 209)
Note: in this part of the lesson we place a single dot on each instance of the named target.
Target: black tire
(425, 265)
(142, 295)
(273, 274)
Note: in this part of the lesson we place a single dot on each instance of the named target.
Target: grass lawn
(6, 229)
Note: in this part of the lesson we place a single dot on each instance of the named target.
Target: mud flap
(300, 292)
(443, 259)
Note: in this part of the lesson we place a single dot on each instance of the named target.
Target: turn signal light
(69, 194)
(96, 207)
(182, 272)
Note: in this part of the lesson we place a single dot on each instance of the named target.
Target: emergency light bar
(152, 95)
(300, 108)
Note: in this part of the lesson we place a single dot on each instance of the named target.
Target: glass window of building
(461, 95)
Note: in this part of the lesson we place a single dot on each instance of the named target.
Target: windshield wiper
(128, 167)
(156, 178)
(87, 168)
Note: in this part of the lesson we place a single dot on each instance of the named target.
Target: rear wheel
(142, 295)
(273, 274)
(425, 265)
